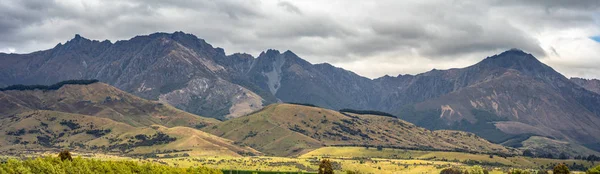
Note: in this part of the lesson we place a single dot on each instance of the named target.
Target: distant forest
(367, 112)
(51, 87)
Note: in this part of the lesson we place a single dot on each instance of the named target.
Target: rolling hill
(97, 117)
(101, 100)
(290, 129)
(43, 130)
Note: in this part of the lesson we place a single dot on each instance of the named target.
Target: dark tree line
(304, 104)
(51, 87)
(369, 112)
(588, 158)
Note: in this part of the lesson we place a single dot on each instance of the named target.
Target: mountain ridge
(190, 74)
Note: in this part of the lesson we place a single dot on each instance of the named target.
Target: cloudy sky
(371, 38)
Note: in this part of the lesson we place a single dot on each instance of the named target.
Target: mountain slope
(101, 100)
(288, 129)
(292, 79)
(177, 68)
(50, 130)
(591, 84)
(521, 95)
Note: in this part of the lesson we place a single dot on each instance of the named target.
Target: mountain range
(505, 98)
(90, 116)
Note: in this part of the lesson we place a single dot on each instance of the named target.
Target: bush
(451, 171)
(65, 155)
(527, 153)
(325, 167)
(561, 169)
(595, 170)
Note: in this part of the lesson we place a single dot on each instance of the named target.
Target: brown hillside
(48, 130)
(99, 100)
(287, 130)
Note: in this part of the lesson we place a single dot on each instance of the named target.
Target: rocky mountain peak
(518, 60)
(511, 57)
(269, 53)
(78, 40)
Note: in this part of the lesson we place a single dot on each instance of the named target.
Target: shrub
(527, 153)
(563, 156)
(561, 169)
(65, 155)
(451, 171)
(325, 167)
(595, 170)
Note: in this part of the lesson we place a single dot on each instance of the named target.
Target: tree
(542, 171)
(595, 170)
(527, 153)
(563, 156)
(325, 167)
(593, 158)
(548, 155)
(561, 169)
(65, 155)
(379, 148)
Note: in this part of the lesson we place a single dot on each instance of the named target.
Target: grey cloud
(320, 31)
(555, 4)
(304, 27)
(289, 7)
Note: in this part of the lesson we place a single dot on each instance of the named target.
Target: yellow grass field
(386, 161)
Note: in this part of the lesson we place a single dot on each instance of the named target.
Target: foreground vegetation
(361, 163)
(53, 165)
